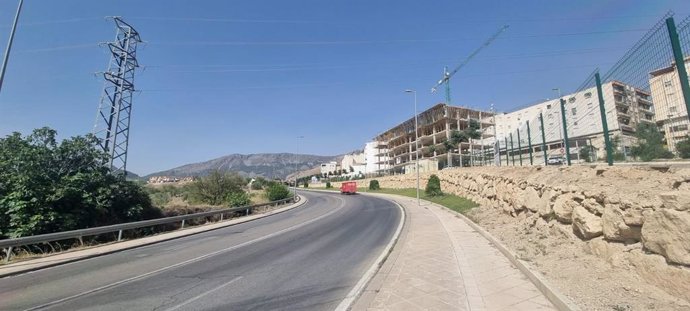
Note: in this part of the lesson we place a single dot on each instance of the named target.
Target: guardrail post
(221, 216)
(246, 211)
(8, 252)
(182, 227)
(119, 235)
(81, 241)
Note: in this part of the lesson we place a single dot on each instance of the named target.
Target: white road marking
(186, 262)
(202, 295)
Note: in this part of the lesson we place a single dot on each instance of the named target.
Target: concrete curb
(353, 295)
(168, 236)
(559, 300)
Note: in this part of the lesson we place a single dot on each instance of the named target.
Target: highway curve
(307, 258)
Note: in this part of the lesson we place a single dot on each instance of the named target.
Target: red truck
(348, 187)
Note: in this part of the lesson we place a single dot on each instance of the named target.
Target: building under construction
(435, 126)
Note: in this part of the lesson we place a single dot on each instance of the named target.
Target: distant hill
(268, 165)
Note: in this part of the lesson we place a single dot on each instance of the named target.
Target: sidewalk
(441, 263)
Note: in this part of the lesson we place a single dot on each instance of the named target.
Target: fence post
(512, 151)
(565, 133)
(543, 138)
(604, 123)
(680, 61)
(519, 146)
(529, 144)
(507, 155)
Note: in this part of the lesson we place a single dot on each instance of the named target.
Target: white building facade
(669, 104)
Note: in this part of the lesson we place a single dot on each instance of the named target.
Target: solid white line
(186, 262)
(195, 298)
(349, 300)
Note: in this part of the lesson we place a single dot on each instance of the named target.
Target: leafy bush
(433, 186)
(328, 185)
(239, 198)
(276, 191)
(586, 154)
(374, 185)
(650, 143)
(258, 183)
(683, 148)
(215, 188)
(49, 187)
(306, 184)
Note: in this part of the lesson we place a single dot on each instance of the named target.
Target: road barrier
(9, 244)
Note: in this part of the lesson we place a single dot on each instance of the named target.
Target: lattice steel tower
(115, 108)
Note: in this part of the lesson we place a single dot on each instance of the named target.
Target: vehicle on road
(348, 187)
(556, 160)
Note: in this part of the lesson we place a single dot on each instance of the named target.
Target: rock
(586, 223)
(678, 200)
(531, 200)
(615, 228)
(563, 208)
(667, 232)
(593, 207)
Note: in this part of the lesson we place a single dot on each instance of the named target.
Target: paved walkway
(441, 263)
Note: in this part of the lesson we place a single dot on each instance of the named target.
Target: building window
(548, 106)
(588, 94)
(574, 111)
(571, 100)
(668, 84)
(673, 109)
(575, 123)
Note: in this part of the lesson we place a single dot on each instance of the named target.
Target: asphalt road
(307, 258)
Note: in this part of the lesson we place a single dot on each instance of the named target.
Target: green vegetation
(276, 191)
(586, 154)
(328, 185)
(433, 187)
(650, 143)
(49, 187)
(683, 148)
(215, 189)
(259, 183)
(617, 155)
(374, 185)
(451, 201)
(306, 184)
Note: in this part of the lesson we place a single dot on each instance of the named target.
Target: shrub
(238, 198)
(276, 192)
(374, 185)
(585, 154)
(328, 185)
(306, 184)
(683, 148)
(433, 186)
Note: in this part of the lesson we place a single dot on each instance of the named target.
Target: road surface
(307, 258)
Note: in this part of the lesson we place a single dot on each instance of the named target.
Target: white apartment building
(625, 107)
(669, 105)
(328, 168)
(374, 157)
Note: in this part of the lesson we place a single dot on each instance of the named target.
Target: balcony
(644, 100)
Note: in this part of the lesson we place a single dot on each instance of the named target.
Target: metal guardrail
(9, 244)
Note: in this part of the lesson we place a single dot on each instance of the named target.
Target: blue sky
(223, 77)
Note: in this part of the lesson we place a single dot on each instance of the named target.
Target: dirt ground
(576, 267)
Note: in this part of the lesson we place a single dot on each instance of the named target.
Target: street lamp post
(416, 141)
(294, 195)
(9, 43)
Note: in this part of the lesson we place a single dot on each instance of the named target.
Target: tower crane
(447, 75)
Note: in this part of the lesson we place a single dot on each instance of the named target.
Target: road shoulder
(71, 256)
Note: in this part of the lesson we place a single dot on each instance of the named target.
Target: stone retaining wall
(624, 204)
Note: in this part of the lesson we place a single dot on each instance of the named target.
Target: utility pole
(9, 43)
(416, 141)
(294, 194)
(115, 107)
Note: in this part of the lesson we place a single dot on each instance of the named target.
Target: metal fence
(10, 244)
(636, 111)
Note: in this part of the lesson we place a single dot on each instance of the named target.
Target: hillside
(268, 165)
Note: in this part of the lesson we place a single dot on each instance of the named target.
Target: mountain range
(268, 165)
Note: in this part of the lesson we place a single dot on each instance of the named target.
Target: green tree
(48, 187)
(586, 154)
(683, 148)
(239, 198)
(433, 186)
(650, 143)
(374, 185)
(215, 188)
(277, 191)
(328, 185)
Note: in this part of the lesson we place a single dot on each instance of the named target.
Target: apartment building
(625, 107)
(435, 125)
(669, 105)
